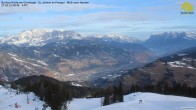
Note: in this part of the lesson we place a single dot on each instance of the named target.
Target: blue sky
(136, 18)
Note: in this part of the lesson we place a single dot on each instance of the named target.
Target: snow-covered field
(150, 101)
(8, 101)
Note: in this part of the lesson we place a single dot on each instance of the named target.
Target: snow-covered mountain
(150, 101)
(9, 100)
(170, 42)
(174, 35)
(191, 35)
(40, 37)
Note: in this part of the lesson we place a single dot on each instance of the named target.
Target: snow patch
(14, 55)
(186, 59)
(70, 75)
(180, 64)
(36, 52)
(27, 67)
(190, 67)
(177, 64)
(55, 55)
(19, 60)
(42, 62)
(182, 54)
(75, 84)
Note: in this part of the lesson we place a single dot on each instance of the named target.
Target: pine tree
(106, 100)
(121, 93)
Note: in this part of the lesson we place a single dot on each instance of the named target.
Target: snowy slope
(150, 101)
(7, 101)
(84, 104)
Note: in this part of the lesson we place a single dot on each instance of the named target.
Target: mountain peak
(174, 35)
(169, 42)
(39, 37)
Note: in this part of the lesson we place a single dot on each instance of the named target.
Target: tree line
(179, 89)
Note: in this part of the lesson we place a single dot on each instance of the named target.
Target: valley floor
(150, 101)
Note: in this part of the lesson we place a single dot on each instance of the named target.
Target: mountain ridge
(170, 42)
(40, 37)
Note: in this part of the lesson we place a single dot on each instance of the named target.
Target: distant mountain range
(68, 56)
(40, 37)
(170, 42)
